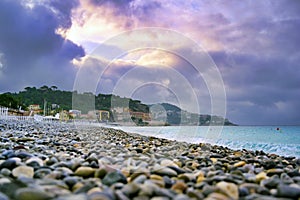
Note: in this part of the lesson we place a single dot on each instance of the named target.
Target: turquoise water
(285, 141)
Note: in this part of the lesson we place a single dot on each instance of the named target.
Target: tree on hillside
(7, 100)
(27, 88)
(53, 87)
(44, 88)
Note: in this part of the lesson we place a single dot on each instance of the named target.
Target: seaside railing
(3, 112)
(38, 118)
(5, 116)
(17, 118)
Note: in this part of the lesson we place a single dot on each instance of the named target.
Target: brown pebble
(179, 187)
(239, 164)
(156, 177)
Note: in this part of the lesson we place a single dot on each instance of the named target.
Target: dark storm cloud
(253, 70)
(265, 36)
(63, 11)
(260, 64)
(257, 27)
(259, 87)
(30, 44)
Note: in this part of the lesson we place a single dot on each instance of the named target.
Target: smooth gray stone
(160, 170)
(141, 198)
(71, 181)
(286, 179)
(140, 179)
(114, 177)
(208, 189)
(271, 182)
(164, 192)
(288, 191)
(5, 172)
(9, 164)
(85, 188)
(243, 191)
(195, 194)
(263, 197)
(131, 189)
(121, 195)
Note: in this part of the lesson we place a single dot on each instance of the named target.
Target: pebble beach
(40, 161)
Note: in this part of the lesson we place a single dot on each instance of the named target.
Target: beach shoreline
(63, 161)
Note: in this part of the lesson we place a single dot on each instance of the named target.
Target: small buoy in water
(277, 129)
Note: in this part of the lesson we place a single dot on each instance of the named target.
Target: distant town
(51, 104)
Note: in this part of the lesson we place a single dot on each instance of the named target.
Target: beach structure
(13, 114)
(18, 115)
(75, 113)
(124, 114)
(3, 112)
(34, 107)
(104, 115)
(140, 115)
(100, 115)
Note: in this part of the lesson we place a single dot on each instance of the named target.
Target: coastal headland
(62, 161)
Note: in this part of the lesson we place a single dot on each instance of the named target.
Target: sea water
(283, 140)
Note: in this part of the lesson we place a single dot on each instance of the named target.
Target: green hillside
(177, 116)
(62, 100)
(33, 95)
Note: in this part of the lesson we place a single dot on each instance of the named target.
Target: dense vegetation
(7, 100)
(63, 99)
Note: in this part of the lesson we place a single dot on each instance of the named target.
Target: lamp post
(45, 103)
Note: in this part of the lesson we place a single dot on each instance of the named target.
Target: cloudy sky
(239, 58)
